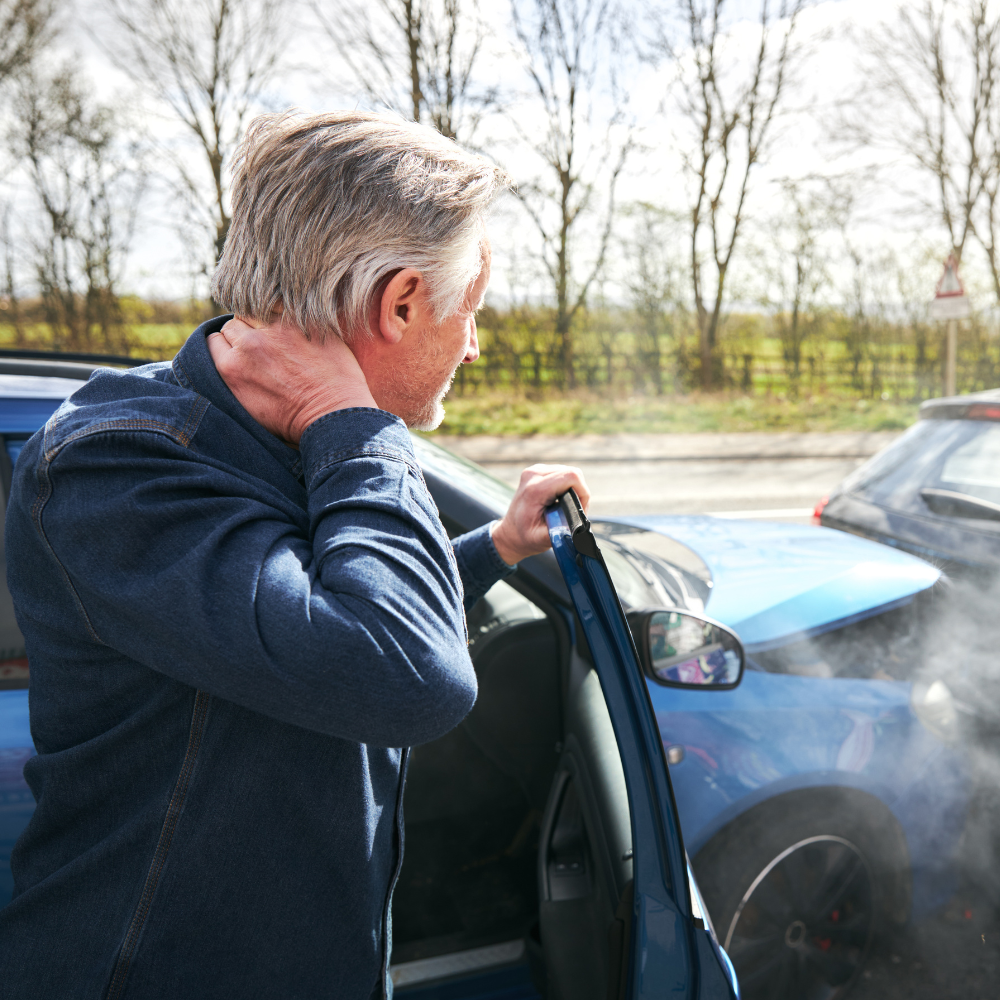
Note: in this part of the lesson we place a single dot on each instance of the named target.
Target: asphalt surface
(776, 476)
(953, 954)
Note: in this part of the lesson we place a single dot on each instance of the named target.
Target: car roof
(983, 405)
(31, 386)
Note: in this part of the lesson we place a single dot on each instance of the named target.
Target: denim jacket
(231, 641)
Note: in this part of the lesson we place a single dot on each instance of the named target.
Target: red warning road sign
(950, 284)
(950, 300)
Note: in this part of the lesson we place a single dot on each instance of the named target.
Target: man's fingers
(553, 484)
(233, 330)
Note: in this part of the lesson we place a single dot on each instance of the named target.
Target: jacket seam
(193, 421)
(182, 436)
(387, 908)
(175, 806)
(37, 508)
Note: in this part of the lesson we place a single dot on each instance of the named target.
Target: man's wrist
(504, 550)
(307, 417)
(348, 434)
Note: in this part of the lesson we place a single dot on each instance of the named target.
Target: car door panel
(585, 860)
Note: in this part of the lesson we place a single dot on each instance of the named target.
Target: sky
(804, 145)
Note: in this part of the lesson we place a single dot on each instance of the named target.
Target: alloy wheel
(803, 928)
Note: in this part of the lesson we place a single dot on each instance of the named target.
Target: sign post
(952, 304)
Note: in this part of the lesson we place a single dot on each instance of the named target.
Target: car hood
(772, 581)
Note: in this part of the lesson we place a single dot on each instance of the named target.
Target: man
(238, 599)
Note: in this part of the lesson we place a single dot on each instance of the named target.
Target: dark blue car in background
(935, 491)
(818, 800)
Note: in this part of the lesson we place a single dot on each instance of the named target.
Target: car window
(974, 467)
(13, 658)
(14, 447)
(910, 446)
(490, 491)
(958, 455)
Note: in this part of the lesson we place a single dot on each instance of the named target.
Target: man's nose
(472, 354)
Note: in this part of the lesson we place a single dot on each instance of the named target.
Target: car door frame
(669, 950)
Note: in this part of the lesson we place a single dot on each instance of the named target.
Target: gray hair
(326, 208)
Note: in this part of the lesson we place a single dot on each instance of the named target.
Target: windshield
(962, 456)
(474, 480)
(651, 570)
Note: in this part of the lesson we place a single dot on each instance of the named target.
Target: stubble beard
(420, 408)
(428, 417)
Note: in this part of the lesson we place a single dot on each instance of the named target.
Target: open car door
(660, 942)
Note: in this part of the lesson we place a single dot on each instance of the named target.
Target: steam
(961, 673)
(946, 645)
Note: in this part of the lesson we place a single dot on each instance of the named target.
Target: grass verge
(499, 414)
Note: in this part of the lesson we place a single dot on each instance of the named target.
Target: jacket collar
(194, 369)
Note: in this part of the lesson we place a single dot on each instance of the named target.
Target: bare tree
(797, 268)
(10, 305)
(654, 277)
(26, 26)
(414, 56)
(932, 97)
(582, 141)
(730, 105)
(208, 62)
(928, 93)
(86, 181)
(867, 304)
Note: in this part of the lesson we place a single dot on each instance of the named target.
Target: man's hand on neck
(284, 381)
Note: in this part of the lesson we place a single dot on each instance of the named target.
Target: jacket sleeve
(479, 563)
(352, 625)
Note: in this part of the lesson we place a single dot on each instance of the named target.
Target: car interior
(517, 827)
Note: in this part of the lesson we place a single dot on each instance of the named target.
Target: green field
(156, 341)
(488, 401)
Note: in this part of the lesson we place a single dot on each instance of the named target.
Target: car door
(658, 942)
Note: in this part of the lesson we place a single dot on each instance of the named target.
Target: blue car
(546, 837)
(831, 766)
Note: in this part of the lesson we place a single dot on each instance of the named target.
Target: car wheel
(796, 893)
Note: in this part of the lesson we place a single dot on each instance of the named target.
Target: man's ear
(404, 305)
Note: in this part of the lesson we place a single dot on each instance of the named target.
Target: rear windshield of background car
(962, 456)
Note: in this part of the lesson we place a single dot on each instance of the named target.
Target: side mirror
(678, 649)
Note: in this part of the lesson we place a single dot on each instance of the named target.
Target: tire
(797, 888)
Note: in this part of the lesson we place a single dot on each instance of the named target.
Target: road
(777, 476)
